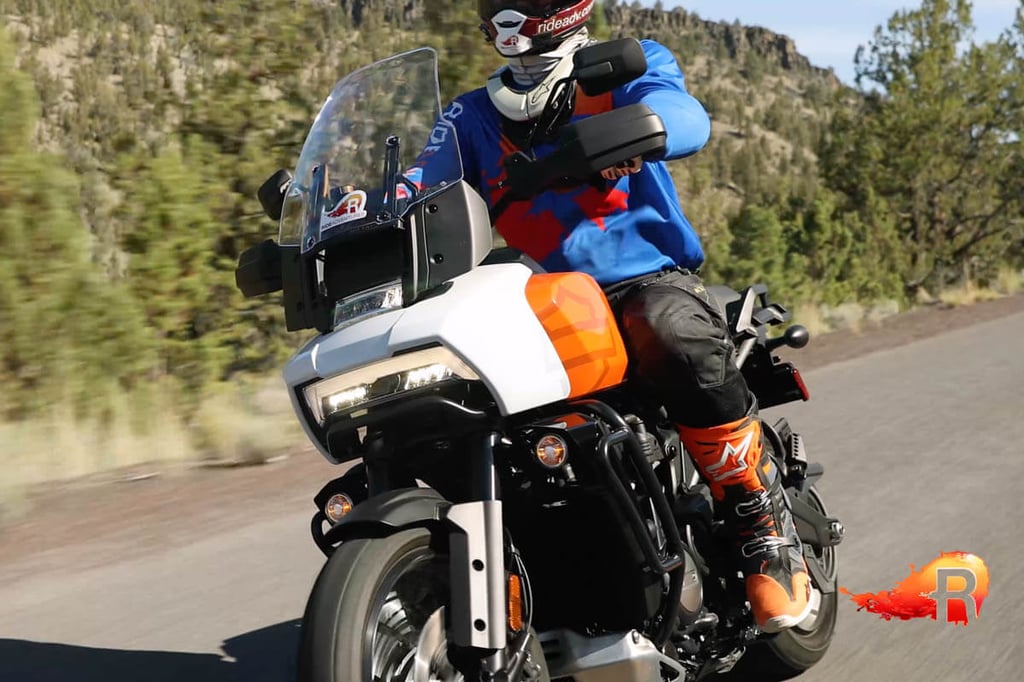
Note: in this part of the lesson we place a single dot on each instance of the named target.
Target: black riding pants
(680, 349)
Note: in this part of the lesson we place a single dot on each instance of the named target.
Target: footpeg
(706, 622)
(724, 664)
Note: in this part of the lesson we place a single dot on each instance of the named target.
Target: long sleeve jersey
(627, 228)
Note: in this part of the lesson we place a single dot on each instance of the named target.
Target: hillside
(170, 115)
(155, 122)
(135, 133)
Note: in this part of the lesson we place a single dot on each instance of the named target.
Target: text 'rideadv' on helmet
(519, 27)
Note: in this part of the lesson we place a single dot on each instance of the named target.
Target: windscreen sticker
(349, 208)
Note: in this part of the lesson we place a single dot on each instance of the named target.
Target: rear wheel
(377, 613)
(792, 652)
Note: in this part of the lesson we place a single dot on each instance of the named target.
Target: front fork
(388, 501)
(476, 553)
(477, 556)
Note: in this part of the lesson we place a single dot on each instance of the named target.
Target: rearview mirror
(588, 147)
(603, 67)
(605, 140)
(259, 270)
(271, 193)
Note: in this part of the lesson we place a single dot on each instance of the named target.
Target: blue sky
(828, 32)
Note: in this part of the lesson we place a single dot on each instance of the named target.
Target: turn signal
(552, 451)
(515, 603)
(337, 507)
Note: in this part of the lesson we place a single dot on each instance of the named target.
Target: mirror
(271, 193)
(599, 142)
(603, 67)
(259, 270)
(588, 147)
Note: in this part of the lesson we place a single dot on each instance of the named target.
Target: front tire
(374, 606)
(356, 625)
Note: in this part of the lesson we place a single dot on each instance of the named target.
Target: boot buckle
(768, 543)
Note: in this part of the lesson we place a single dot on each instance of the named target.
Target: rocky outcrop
(706, 35)
(401, 11)
(666, 26)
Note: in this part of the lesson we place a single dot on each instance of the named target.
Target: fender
(475, 551)
(391, 512)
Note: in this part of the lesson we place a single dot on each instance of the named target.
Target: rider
(631, 235)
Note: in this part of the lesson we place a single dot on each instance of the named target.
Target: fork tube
(477, 554)
(485, 480)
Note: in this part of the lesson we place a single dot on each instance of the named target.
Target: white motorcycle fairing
(484, 318)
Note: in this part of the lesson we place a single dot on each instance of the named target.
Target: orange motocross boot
(750, 491)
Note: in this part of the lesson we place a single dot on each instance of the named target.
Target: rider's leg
(680, 347)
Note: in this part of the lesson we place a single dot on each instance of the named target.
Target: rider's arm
(663, 89)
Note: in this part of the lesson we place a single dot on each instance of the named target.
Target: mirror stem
(391, 159)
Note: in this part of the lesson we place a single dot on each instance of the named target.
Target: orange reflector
(552, 451)
(338, 507)
(515, 603)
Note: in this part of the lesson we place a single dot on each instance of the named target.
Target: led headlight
(361, 387)
(366, 304)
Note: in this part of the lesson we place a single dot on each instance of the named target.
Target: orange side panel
(575, 314)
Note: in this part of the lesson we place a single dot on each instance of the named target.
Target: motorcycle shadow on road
(265, 655)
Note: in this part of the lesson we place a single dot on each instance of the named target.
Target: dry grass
(967, 295)
(810, 315)
(239, 423)
(852, 317)
(1010, 281)
(245, 423)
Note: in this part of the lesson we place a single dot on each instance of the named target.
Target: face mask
(521, 90)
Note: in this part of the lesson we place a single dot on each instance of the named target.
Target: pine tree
(937, 141)
(66, 334)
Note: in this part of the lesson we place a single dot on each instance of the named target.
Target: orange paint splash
(910, 598)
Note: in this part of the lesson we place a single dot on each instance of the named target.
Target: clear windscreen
(339, 185)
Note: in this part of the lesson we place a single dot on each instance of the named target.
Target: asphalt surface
(922, 446)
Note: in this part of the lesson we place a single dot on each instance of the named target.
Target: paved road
(923, 452)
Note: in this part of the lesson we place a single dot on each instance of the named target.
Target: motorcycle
(515, 511)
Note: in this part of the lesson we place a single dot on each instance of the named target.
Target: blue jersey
(628, 227)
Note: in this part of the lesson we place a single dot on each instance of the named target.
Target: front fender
(391, 512)
(475, 552)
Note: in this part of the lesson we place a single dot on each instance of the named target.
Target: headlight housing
(366, 304)
(362, 387)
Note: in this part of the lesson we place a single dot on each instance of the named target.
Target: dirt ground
(130, 512)
(900, 330)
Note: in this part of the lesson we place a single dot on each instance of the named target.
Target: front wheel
(376, 613)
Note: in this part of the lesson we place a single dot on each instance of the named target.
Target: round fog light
(552, 451)
(337, 507)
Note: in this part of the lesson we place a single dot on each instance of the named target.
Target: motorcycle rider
(631, 235)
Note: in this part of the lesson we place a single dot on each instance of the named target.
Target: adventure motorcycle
(517, 512)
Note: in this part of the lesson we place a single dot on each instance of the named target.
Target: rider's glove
(631, 167)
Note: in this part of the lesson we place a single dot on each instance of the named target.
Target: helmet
(522, 27)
